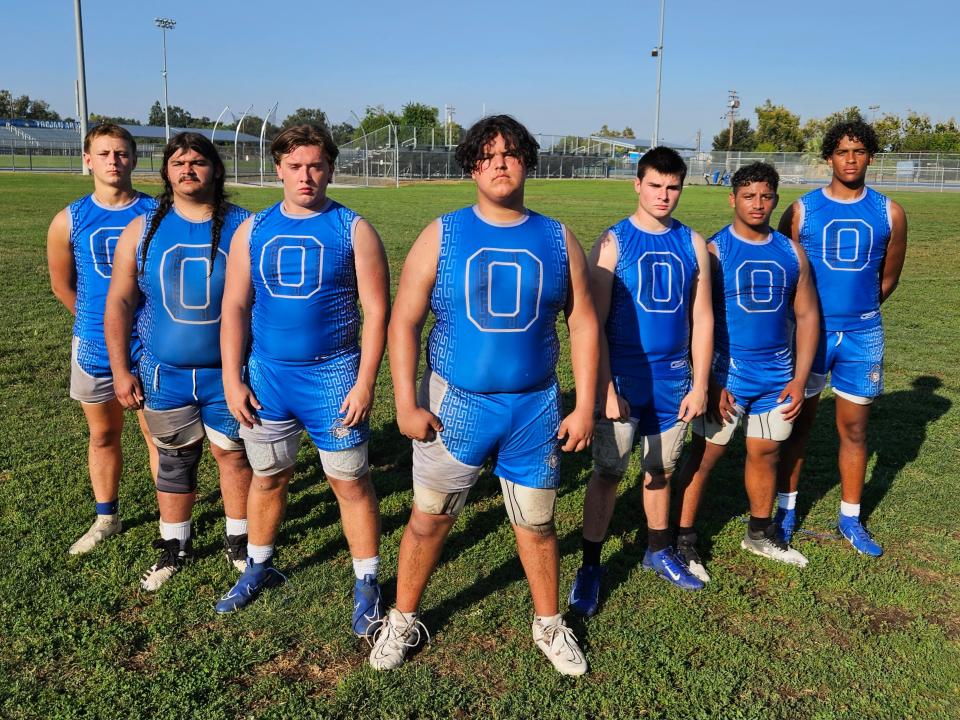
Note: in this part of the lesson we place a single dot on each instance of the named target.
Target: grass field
(848, 637)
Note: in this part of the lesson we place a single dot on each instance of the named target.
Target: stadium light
(81, 82)
(658, 54)
(165, 24)
(873, 113)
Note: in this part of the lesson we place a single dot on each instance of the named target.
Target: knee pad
(437, 502)
(178, 468)
(270, 458)
(530, 508)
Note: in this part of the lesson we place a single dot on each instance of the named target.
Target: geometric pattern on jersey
(753, 291)
(180, 321)
(846, 243)
(304, 284)
(854, 359)
(654, 400)
(517, 430)
(648, 327)
(166, 387)
(755, 384)
(498, 291)
(94, 231)
(312, 394)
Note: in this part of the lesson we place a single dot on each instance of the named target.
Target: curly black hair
(853, 129)
(664, 160)
(755, 172)
(483, 132)
(199, 143)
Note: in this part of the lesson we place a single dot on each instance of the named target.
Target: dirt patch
(880, 620)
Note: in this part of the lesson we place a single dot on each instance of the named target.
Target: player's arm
(581, 315)
(235, 327)
(409, 313)
(896, 251)
(789, 224)
(806, 308)
(701, 335)
(720, 401)
(122, 299)
(60, 261)
(602, 262)
(373, 289)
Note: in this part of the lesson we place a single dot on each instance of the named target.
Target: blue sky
(560, 67)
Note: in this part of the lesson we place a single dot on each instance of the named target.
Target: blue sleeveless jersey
(304, 284)
(648, 328)
(498, 291)
(180, 321)
(846, 243)
(94, 231)
(753, 295)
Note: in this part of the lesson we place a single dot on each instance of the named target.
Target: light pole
(873, 113)
(658, 54)
(81, 82)
(165, 24)
(366, 150)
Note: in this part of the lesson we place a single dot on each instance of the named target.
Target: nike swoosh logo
(671, 573)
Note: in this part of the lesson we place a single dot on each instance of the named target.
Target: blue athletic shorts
(755, 385)
(311, 394)
(854, 359)
(166, 387)
(654, 401)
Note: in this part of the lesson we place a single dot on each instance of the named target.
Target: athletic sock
(759, 524)
(366, 566)
(547, 620)
(850, 509)
(687, 534)
(176, 531)
(108, 509)
(236, 526)
(591, 552)
(409, 617)
(787, 501)
(259, 553)
(658, 540)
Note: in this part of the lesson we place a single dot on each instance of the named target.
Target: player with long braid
(173, 260)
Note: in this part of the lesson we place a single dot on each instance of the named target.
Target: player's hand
(720, 404)
(694, 404)
(356, 406)
(617, 408)
(243, 404)
(793, 390)
(419, 424)
(128, 390)
(577, 428)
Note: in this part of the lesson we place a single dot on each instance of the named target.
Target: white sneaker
(559, 644)
(102, 528)
(172, 559)
(393, 638)
(771, 546)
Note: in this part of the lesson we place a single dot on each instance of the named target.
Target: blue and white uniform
(181, 280)
(846, 242)
(94, 231)
(493, 351)
(304, 324)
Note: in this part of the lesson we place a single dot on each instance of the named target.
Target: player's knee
(105, 439)
(606, 476)
(268, 459)
(349, 490)
(854, 433)
(178, 468)
(190, 435)
(531, 509)
(656, 479)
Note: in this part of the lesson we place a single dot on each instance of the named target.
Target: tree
(342, 132)
(778, 129)
(96, 119)
(24, 107)
(888, 132)
(628, 133)
(815, 128)
(252, 124)
(178, 117)
(420, 115)
(744, 138)
(305, 116)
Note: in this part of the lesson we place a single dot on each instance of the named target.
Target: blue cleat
(667, 565)
(367, 606)
(858, 536)
(255, 579)
(585, 593)
(786, 522)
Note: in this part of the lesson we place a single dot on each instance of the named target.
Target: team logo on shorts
(339, 431)
(553, 460)
(874, 374)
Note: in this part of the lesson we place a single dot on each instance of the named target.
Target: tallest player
(856, 240)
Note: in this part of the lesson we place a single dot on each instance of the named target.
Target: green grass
(848, 637)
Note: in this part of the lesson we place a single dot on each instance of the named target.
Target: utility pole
(81, 80)
(698, 141)
(658, 54)
(733, 102)
(165, 24)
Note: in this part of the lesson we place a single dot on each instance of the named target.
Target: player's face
(658, 193)
(111, 160)
(305, 173)
(191, 175)
(753, 204)
(499, 173)
(850, 161)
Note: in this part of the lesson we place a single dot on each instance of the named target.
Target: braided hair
(182, 142)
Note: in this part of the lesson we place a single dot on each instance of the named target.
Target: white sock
(259, 553)
(547, 620)
(367, 566)
(236, 526)
(175, 531)
(787, 501)
(849, 509)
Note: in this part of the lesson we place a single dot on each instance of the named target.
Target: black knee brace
(178, 469)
